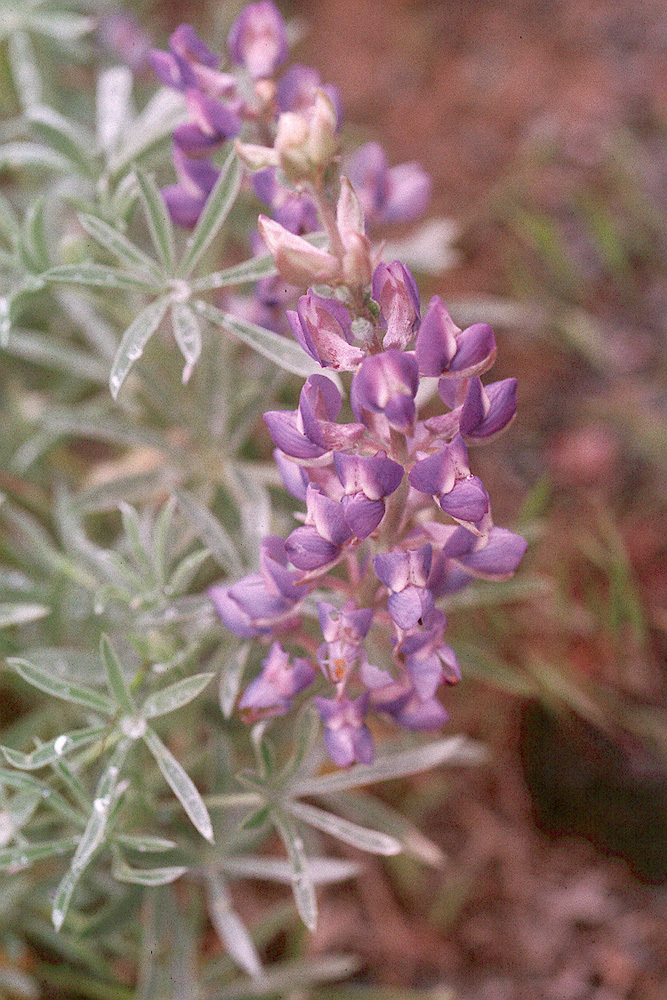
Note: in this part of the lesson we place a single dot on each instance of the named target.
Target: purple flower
(487, 410)
(446, 476)
(298, 88)
(190, 63)
(395, 290)
(271, 693)
(186, 199)
(346, 736)
(309, 434)
(261, 603)
(343, 631)
(402, 703)
(258, 40)
(442, 348)
(212, 124)
(460, 555)
(428, 659)
(388, 194)
(295, 212)
(318, 541)
(366, 481)
(322, 327)
(386, 383)
(405, 574)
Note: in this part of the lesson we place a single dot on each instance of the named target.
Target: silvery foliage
(127, 769)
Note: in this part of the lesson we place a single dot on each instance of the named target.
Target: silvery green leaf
(63, 136)
(323, 870)
(75, 693)
(187, 334)
(116, 678)
(350, 833)
(25, 73)
(231, 673)
(157, 217)
(454, 751)
(9, 223)
(21, 614)
(232, 932)
(74, 665)
(430, 249)
(287, 354)
(145, 844)
(218, 206)
(365, 808)
(5, 320)
(114, 109)
(129, 255)
(54, 749)
(262, 266)
(139, 545)
(48, 352)
(175, 696)
(165, 110)
(96, 275)
(254, 505)
(17, 155)
(147, 876)
(92, 836)
(161, 538)
(302, 882)
(134, 340)
(34, 543)
(27, 854)
(185, 572)
(16, 811)
(33, 244)
(210, 530)
(181, 784)
(63, 25)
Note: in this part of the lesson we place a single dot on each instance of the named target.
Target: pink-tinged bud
(322, 327)
(357, 259)
(349, 213)
(298, 261)
(395, 291)
(256, 157)
(258, 40)
(307, 142)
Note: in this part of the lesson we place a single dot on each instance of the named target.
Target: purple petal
(362, 515)
(410, 606)
(307, 549)
(466, 501)
(434, 475)
(436, 339)
(294, 477)
(409, 193)
(185, 42)
(282, 425)
(479, 421)
(258, 40)
(499, 558)
(476, 351)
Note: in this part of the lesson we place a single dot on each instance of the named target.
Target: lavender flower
(447, 477)
(257, 39)
(442, 348)
(323, 328)
(405, 575)
(388, 194)
(346, 736)
(386, 384)
(395, 291)
(272, 692)
(186, 199)
(366, 481)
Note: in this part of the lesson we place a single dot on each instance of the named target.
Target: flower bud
(298, 261)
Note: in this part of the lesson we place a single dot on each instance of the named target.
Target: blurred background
(543, 125)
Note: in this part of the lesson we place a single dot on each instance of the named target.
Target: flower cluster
(393, 519)
(374, 488)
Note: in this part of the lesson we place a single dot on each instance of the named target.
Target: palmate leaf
(129, 255)
(218, 206)
(262, 266)
(17, 155)
(93, 835)
(63, 136)
(20, 614)
(231, 930)
(157, 217)
(211, 532)
(46, 351)
(23, 855)
(181, 784)
(134, 340)
(165, 110)
(116, 678)
(97, 276)
(113, 105)
(54, 749)
(162, 875)
(77, 694)
(350, 833)
(302, 881)
(175, 696)
(187, 334)
(287, 354)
